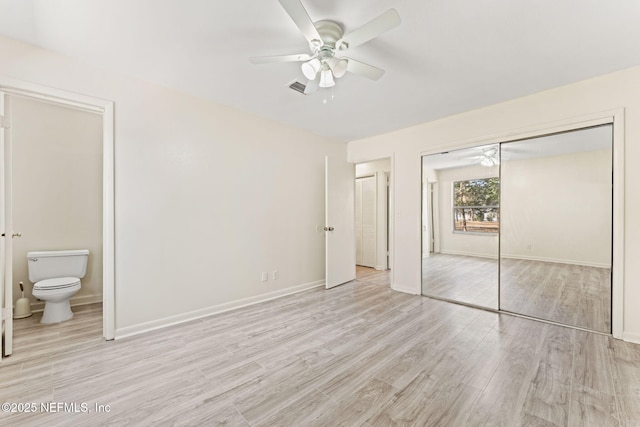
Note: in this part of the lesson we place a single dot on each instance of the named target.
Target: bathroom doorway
(59, 154)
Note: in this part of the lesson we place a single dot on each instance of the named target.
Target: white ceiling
(446, 56)
(577, 141)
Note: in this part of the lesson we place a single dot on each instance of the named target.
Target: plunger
(23, 305)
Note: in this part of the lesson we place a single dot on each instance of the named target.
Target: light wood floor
(468, 279)
(564, 293)
(356, 355)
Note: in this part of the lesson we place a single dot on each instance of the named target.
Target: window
(475, 205)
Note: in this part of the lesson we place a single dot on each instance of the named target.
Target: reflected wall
(523, 227)
(556, 198)
(460, 226)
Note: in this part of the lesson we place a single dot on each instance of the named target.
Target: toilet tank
(52, 264)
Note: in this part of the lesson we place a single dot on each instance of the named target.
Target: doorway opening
(373, 221)
(57, 162)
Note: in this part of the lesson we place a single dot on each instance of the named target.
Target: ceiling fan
(327, 39)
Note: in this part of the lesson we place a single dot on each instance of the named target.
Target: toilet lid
(57, 283)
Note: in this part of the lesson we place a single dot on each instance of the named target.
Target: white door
(6, 223)
(365, 221)
(339, 222)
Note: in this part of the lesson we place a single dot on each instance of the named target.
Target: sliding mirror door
(460, 207)
(555, 223)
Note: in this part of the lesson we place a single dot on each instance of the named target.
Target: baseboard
(380, 268)
(474, 254)
(209, 311)
(631, 337)
(558, 261)
(38, 306)
(404, 289)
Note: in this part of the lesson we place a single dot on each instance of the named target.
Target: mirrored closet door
(523, 227)
(555, 230)
(460, 225)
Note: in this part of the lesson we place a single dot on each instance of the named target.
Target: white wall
(57, 189)
(207, 197)
(558, 208)
(541, 110)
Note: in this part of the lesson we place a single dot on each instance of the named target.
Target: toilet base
(56, 312)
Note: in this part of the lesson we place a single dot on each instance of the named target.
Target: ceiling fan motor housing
(330, 32)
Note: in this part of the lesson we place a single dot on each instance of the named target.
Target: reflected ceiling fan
(327, 39)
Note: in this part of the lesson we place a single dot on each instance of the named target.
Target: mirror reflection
(556, 219)
(460, 224)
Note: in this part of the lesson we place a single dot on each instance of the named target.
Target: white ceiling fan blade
(301, 18)
(370, 30)
(364, 70)
(279, 58)
(312, 86)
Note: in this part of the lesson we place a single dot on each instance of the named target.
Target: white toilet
(56, 276)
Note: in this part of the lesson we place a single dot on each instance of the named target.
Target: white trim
(605, 117)
(391, 202)
(617, 277)
(565, 125)
(216, 309)
(631, 337)
(556, 260)
(106, 108)
(392, 218)
(108, 224)
(405, 289)
(474, 254)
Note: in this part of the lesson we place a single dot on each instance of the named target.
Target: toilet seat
(55, 284)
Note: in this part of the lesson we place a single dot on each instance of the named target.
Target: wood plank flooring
(565, 293)
(467, 279)
(356, 355)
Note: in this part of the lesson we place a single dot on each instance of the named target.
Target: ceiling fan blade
(312, 86)
(279, 58)
(370, 30)
(301, 18)
(364, 70)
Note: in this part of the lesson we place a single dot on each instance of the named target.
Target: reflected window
(475, 205)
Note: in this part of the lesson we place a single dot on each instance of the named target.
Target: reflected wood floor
(359, 354)
(564, 293)
(468, 279)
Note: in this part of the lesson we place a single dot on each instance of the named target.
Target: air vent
(298, 87)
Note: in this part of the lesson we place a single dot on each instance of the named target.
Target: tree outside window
(476, 205)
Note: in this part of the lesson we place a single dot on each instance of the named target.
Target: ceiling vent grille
(298, 87)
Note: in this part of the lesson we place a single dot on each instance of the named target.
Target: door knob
(328, 229)
(18, 234)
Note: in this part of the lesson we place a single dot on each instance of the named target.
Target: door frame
(391, 209)
(613, 117)
(106, 109)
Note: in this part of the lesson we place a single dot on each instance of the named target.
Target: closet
(524, 227)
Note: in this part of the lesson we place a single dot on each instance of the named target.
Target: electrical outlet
(265, 276)
(275, 274)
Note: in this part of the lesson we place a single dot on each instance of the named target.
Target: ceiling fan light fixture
(310, 69)
(326, 78)
(339, 67)
(487, 162)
